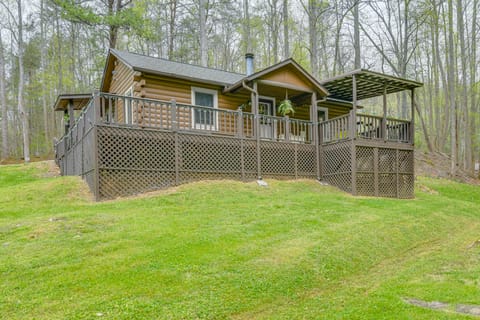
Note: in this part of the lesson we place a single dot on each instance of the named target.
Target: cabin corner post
(412, 123)
(354, 134)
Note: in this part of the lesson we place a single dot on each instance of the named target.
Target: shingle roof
(154, 65)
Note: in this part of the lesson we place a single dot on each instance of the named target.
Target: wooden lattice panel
(405, 161)
(250, 159)
(129, 148)
(278, 159)
(337, 158)
(365, 184)
(365, 160)
(208, 157)
(306, 159)
(121, 182)
(387, 185)
(387, 160)
(406, 185)
(337, 165)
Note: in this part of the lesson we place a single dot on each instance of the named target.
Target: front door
(266, 108)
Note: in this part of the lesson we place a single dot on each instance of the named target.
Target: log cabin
(156, 123)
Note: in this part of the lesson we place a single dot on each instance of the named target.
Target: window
(127, 108)
(202, 117)
(322, 114)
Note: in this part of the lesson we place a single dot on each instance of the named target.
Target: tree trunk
(43, 66)
(451, 90)
(286, 40)
(246, 28)
(356, 35)
(473, 74)
(21, 82)
(463, 60)
(203, 32)
(3, 103)
(312, 33)
(171, 28)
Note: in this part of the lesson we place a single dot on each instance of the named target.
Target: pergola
(363, 84)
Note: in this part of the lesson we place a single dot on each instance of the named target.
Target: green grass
(221, 250)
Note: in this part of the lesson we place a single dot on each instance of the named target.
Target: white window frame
(324, 110)
(128, 116)
(274, 103)
(200, 126)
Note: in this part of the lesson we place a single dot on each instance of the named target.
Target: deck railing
(335, 129)
(170, 115)
(374, 127)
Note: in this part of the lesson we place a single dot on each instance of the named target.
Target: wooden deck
(164, 143)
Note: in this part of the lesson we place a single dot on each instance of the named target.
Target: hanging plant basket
(286, 107)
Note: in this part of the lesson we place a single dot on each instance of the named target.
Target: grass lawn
(234, 250)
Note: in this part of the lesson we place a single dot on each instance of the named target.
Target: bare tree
(43, 64)
(3, 101)
(286, 39)
(202, 21)
(246, 27)
(356, 34)
(451, 90)
(473, 80)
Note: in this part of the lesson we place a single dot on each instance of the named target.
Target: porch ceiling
(279, 93)
(79, 101)
(369, 84)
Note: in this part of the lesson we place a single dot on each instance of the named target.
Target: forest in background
(49, 47)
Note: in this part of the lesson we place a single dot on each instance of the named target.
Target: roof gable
(287, 71)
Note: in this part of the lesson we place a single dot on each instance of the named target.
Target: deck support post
(240, 134)
(384, 119)
(71, 114)
(96, 164)
(254, 98)
(173, 105)
(287, 129)
(315, 136)
(375, 171)
(354, 133)
(412, 124)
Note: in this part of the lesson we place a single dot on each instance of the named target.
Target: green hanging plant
(286, 107)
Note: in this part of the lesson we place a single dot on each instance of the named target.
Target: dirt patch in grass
(49, 169)
(471, 310)
(437, 165)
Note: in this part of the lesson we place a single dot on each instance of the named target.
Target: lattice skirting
(379, 171)
(135, 160)
(384, 172)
